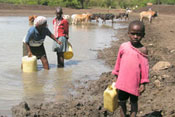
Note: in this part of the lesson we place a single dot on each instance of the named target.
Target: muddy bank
(157, 100)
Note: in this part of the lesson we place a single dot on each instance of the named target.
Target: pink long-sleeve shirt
(132, 69)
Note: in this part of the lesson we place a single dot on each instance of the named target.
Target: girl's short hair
(137, 22)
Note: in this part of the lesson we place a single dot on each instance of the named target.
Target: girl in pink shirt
(131, 68)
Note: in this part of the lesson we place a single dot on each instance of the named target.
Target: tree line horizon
(83, 4)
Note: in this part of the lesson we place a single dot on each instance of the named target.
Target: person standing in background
(61, 31)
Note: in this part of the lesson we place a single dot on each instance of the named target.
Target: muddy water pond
(43, 85)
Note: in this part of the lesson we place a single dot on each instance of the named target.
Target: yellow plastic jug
(69, 53)
(110, 98)
(29, 64)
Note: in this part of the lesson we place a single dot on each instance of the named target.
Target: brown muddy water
(44, 86)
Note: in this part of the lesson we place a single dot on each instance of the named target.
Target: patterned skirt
(60, 48)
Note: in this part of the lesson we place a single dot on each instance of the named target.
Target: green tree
(71, 3)
(38, 1)
(123, 3)
(82, 3)
(108, 3)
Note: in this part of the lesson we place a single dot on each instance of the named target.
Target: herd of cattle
(85, 18)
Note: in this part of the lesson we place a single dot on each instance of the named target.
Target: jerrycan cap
(110, 87)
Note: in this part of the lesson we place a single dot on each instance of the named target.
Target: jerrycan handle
(113, 85)
(110, 87)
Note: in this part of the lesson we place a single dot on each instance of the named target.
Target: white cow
(67, 17)
(80, 18)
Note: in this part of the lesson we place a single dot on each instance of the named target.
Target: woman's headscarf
(40, 20)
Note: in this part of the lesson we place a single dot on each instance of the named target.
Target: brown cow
(148, 14)
(31, 19)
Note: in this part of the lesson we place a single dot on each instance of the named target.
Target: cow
(31, 19)
(73, 18)
(80, 18)
(108, 16)
(122, 15)
(128, 10)
(148, 14)
(67, 17)
(95, 17)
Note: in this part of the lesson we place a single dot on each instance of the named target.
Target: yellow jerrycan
(69, 53)
(29, 64)
(110, 98)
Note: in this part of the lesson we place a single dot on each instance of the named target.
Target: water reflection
(33, 87)
(42, 87)
(83, 27)
(60, 84)
(72, 62)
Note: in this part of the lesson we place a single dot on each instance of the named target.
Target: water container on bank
(110, 98)
(69, 53)
(29, 64)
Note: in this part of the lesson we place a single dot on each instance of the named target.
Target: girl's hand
(29, 54)
(141, 88)
(115, 78)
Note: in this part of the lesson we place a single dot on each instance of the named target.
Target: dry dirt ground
(157, 101)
